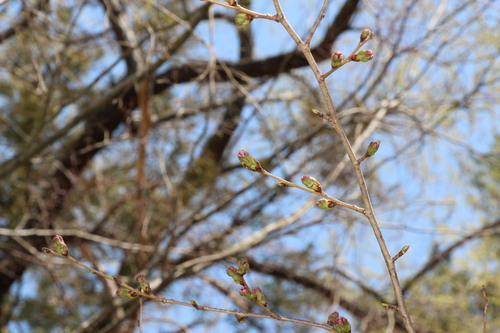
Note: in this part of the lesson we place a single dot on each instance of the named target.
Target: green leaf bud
(259, 296)
(125, 293)
(325, 204)
(249, 162)
(311, 183)
(243, 267)
(242, 20)
(372, 148)
(59, 245)
(143, 283)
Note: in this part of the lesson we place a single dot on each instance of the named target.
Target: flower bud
(125, 293)
(311, 183)
(363, 56)
(282, 184)
(248, 161)
(372, 148)
(337, 59)
(143, 283)
(231, 2)
(365, 33)
(325, 204)
(339, 324)
(260, 298)
(242, 20)
(243, 267)
(59, 245)
(233, 272)
(244, 291)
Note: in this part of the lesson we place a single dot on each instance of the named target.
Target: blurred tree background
(121, 120)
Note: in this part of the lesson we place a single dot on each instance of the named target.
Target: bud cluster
(339, 324)
(254, 295)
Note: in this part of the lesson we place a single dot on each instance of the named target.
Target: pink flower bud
(339, 324)
(337, 59)
(363, 56)
(244, 291)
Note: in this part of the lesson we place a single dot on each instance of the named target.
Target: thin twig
(245, 10)
(155, 298)
(349, 58)
(337, 126)
(322, 194)
(485, 299)
(321, 16)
